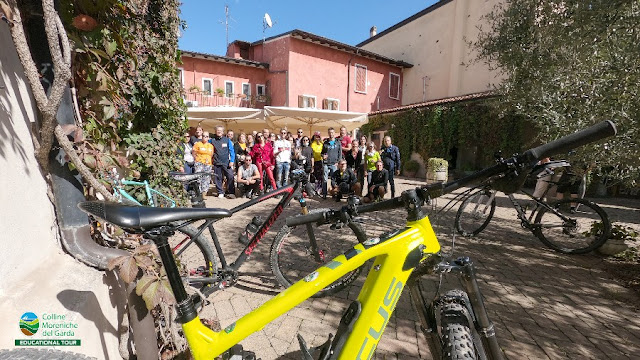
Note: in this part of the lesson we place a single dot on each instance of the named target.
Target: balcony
(201, 99)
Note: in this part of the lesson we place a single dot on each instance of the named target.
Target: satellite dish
(267, 20)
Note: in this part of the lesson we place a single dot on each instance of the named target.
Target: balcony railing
(200, 99)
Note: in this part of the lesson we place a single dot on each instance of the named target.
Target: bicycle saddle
(145, 218)
(184, 177)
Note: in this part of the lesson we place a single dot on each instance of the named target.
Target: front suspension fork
(465, 268)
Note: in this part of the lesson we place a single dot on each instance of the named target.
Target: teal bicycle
(147, 196)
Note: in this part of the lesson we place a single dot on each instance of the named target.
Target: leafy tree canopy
(568, 64)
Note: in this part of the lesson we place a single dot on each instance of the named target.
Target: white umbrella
(236, 118)
(313, 119)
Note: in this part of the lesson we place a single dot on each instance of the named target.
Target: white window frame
(334, 99)
(366, 78)
(305, 96)
(390, 75)
(211, 82)
(233, 88)
(181, 70)
(248, 88)
(264, 89)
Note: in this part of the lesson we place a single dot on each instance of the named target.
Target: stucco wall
(36, 275)
(324, 72)
(195, 69)
(436, 44)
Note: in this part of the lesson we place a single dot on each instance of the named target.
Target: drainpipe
(76, 239)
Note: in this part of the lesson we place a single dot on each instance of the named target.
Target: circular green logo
(29, 323)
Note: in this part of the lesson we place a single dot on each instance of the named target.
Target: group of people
(337, 165)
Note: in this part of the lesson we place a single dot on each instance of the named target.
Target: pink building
(294, 69)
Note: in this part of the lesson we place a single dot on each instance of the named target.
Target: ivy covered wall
(436, 130)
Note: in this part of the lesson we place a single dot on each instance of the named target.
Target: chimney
(373, 31)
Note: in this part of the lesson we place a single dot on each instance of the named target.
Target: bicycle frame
(288, 191)
(396, 256)
(119, 190)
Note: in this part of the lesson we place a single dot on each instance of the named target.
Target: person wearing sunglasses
(262, 155)
(282, 153)
(185, 154)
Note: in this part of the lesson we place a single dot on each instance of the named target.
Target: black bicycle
(569, 225)
(209, 273)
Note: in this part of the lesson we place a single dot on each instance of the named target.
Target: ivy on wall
(129, 92)
(434, 131)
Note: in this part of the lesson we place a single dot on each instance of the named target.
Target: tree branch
(80, 166)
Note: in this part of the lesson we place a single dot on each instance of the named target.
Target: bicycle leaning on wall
(456, 323)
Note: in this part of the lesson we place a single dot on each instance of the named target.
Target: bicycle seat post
(160, 236)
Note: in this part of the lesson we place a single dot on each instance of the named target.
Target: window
(181, 76)
(306, 101)
(228, 88)
(207, 85)
(260, 90)
(361, 79)
(246, 89)
(331, 104)
(394, 86)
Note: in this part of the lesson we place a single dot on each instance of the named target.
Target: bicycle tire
(580, 235)
(472, 217)
(195, 262)
(291, 258)
(41, 354)
(457, 337)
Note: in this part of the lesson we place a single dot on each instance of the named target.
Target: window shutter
(334, 105)
(312, 102)
(325, 104)
(300, 101)
(394, 86)
(361, 79)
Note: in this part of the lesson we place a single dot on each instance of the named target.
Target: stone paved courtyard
(544, 305)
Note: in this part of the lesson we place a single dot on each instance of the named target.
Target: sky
(346, 21)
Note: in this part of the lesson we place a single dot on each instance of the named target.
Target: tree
(570, 64)
(48, 104)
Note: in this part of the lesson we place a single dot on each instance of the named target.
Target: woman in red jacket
(262, 155)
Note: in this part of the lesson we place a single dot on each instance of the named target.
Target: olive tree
(570, 64)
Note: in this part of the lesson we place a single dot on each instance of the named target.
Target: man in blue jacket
(390, 155)
(223, 157)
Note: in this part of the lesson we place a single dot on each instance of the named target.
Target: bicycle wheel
(292, 257)
(194, 258)
(456, 336)
(575, 226)
(475, 213)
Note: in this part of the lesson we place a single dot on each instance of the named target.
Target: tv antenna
(266, 23)
(226, 22)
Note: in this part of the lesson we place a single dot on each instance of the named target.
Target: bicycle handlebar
(583, 137)
(577, 139)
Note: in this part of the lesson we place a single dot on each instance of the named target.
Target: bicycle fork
(475, 306)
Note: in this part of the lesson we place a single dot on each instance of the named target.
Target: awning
(235, 118)
(313, 119)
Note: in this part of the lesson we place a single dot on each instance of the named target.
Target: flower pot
(442, 175)
(612, 247)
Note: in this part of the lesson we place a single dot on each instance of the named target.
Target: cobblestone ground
(544, 305)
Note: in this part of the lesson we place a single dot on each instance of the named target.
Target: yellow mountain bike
(456, 323)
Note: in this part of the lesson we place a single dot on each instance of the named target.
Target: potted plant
(617, 240)
(220, 91)
(411, 167)
(437, 170)
(194, 88)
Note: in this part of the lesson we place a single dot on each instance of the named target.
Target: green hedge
(434, 131)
